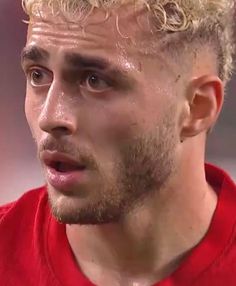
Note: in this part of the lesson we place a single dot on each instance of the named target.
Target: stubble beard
(146, 164)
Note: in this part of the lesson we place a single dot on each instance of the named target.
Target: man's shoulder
(24, 226)
(28, 202)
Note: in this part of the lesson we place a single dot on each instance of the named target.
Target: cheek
(32, 113)
(115, 125)
(120, 121)
(108, 129)
(28, 109)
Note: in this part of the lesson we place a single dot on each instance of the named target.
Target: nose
(56, 115)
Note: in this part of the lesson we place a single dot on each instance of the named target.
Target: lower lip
(65, 180)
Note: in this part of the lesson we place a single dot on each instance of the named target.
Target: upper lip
(52, 158)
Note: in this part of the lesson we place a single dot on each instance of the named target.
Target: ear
(203, 103)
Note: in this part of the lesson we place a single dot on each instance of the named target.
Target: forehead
(98, 31)
(97, 36)
(125, 30)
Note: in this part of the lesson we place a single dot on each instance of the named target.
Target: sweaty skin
(141, 134)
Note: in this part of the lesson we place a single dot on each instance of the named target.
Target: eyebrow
(76, 60)
(35, 54)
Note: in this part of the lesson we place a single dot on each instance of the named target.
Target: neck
(149, 243)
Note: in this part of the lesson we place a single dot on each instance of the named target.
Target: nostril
(60, 130)
(57, 126)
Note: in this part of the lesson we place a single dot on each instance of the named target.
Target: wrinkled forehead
(126, 27)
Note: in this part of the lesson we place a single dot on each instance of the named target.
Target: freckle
(178, 78)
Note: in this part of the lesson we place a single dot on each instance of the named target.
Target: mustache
(82, 155)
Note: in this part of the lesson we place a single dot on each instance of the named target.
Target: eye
(95, 82)
(39, 77)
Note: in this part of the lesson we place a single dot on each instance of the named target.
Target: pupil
(36, 75)
(93, 80)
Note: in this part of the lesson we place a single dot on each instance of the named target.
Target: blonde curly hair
(209, 21)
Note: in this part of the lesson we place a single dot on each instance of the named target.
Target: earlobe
(204, 100)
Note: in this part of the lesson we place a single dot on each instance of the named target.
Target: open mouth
(65, 167)
(62, 163)
(63, 171)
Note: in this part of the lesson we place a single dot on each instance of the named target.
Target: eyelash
(83, 77)
(90, 73)
(40, 70)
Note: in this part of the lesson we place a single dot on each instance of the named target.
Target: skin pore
(139, 128)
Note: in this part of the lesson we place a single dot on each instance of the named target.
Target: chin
(82, 210)
(66, 209)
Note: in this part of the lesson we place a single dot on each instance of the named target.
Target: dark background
(19, 169)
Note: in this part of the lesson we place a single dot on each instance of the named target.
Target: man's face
(112, 108)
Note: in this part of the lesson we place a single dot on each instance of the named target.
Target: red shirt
(34, 249)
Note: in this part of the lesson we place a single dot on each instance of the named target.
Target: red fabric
(34, 249)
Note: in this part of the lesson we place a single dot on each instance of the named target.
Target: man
(120, 99)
